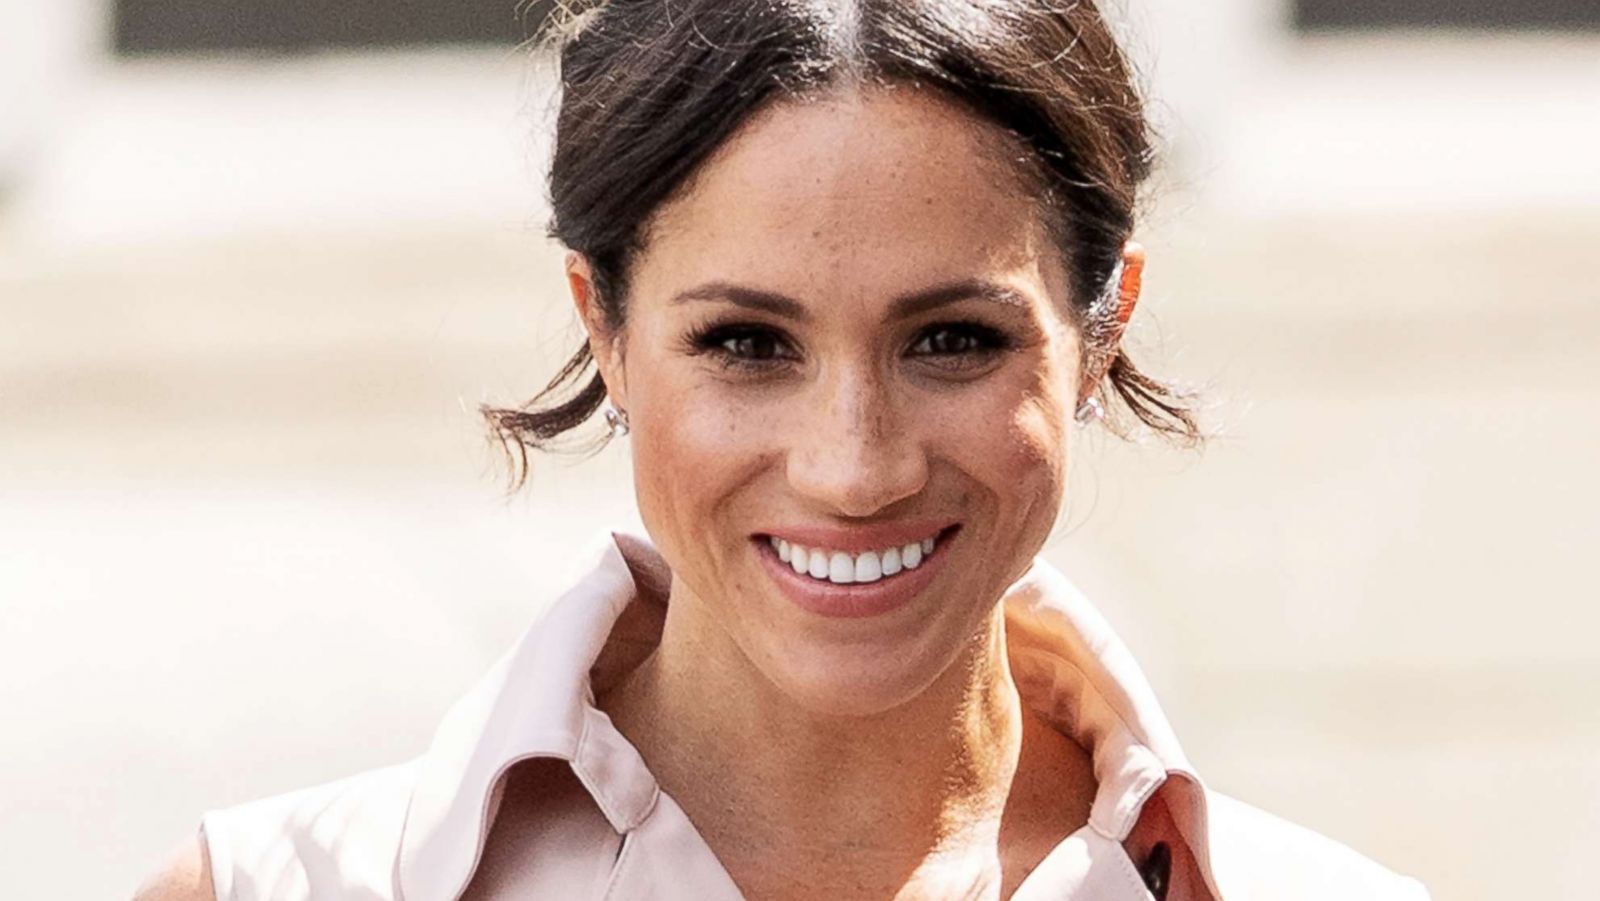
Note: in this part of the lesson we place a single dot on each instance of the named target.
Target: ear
(1132, 283)
(1128, 291)
(605, 342)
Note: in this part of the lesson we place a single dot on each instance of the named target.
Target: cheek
(1039, 461)
(694, 443)
(1019, 451)
(1016, 467)
(1039, 428)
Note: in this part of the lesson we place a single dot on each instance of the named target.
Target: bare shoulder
(185, 877)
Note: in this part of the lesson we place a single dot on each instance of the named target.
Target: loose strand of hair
(1157, 405)
(537, 426)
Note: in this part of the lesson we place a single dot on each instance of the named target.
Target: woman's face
(850, 334)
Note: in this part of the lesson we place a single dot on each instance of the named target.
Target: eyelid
(707, 340)
(726, 331)
(991, 338)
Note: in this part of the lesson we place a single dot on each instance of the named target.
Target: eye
(963, 343)
(743, 346)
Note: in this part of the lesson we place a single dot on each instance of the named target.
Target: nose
(854, 450)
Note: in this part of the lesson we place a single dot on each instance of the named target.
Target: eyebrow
(904, 306)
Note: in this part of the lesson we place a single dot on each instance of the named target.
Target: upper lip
(855, 539)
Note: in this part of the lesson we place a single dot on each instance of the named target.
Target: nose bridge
(856, 451)
(860, 403)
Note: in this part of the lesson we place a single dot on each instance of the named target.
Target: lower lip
(857, 599)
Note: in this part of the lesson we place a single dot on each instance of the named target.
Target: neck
(917, 788)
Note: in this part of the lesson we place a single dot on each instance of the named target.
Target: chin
(857, 680)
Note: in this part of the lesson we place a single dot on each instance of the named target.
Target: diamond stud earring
(616, 421)
(1089, 411)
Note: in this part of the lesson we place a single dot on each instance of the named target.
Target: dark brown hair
(651, 88)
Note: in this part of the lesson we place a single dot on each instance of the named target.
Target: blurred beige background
(248, 305)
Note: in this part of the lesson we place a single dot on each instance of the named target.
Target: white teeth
(868, 569)
(841, 568)
(891, 561)
(817, 566)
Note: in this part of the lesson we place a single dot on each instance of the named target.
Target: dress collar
(537, 701)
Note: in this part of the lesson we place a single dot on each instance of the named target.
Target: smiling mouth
(846, 568)
(851, 584)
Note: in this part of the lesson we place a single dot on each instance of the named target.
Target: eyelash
(983, 342)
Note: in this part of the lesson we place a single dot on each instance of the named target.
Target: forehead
(860, 194)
